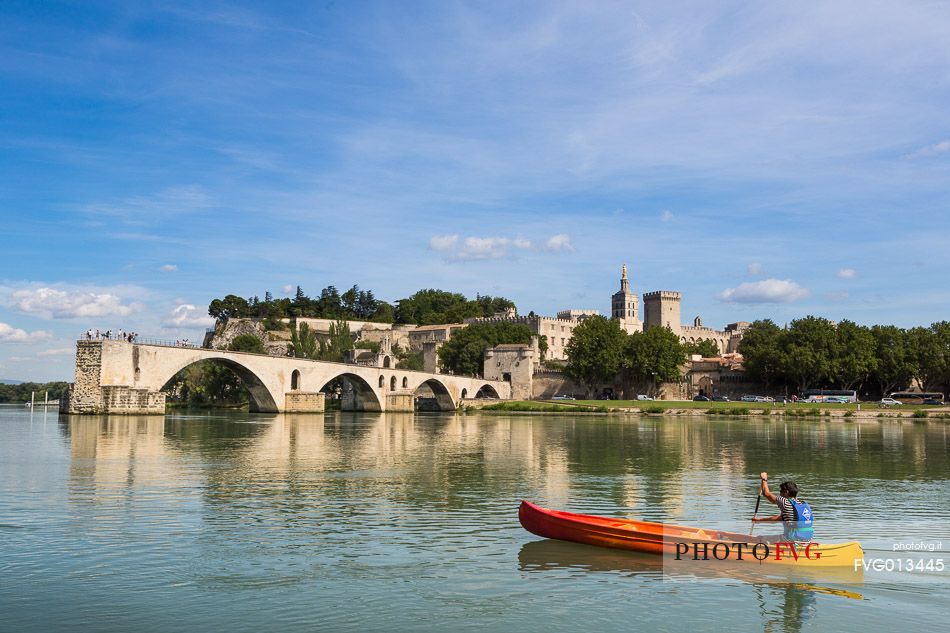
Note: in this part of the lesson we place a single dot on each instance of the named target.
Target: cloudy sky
(768, 159)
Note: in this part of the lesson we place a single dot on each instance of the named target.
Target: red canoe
(660, 538)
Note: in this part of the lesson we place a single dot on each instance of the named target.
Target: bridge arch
(487, 391)
(261, 398)
(357, 394)
(432, 395)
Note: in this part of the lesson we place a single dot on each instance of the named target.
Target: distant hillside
(4, 381)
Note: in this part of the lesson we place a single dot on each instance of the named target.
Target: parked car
(890, 402)
(563, 396)
(701, 398)
(643, 397)
(931, 401)
(763, 399)
(747, 398)
(720, 398)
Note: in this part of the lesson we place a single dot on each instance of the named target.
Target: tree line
(21, 392)
(813, 352)
(425, 307)
(601, 352)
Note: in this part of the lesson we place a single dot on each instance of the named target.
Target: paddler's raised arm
(764, 483)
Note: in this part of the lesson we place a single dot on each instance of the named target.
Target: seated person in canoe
(795, 515)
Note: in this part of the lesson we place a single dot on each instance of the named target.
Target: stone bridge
(122, 377)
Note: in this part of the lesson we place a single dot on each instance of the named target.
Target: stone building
(661, 308)
(514, 364)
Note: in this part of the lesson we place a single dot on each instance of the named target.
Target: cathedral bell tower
(623, 305)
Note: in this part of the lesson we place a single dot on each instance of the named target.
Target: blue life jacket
(801, 528)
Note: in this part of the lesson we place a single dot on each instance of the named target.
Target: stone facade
(661, 308)
(514, 364)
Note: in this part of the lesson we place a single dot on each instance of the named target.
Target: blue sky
(767, 159)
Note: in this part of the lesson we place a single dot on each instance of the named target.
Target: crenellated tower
(662, 308)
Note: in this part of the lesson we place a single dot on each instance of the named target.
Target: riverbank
(863, 411)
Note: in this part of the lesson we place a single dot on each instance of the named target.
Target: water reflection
(417, 514)
(784, 604)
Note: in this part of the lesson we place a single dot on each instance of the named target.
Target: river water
(400, 522)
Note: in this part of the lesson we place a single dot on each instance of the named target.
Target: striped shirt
(785, 506)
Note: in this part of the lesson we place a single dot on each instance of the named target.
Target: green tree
(230, 307)
(247, 343)
(464, 353)
(894, 366)
(654, 356)
(303, 342)
(384, 313)
(410, 360)
(854, 358)
(930, 347)
(431, 306)
(339, 341)
(706, 348)
(809, 345)
(762, 350)
(595, 352)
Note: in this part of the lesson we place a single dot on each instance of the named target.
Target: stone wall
(127, 400)
(85, 394)
(305, 402)
(548, 384)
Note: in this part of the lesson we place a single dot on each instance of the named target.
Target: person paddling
(795, 515)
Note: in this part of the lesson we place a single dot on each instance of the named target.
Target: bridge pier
(304, 402)
(400, 401)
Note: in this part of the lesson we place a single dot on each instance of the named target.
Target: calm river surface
(374, 522)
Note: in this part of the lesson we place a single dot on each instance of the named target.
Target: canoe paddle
(758, 498)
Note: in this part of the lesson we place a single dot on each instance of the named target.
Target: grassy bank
(536, 406)
(672, 407)
(766, 406)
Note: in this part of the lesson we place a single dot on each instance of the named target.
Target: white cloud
(765, 291)
(168, 268)
(559, 243)
(10, 334)
(476, 248)
(930, 150)
(187, 315)
(755, 268)
(59, 351)
(288, 289)
(52, 303)
(847, 273)
(443, 242)
(666, 216)
(483, 248)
